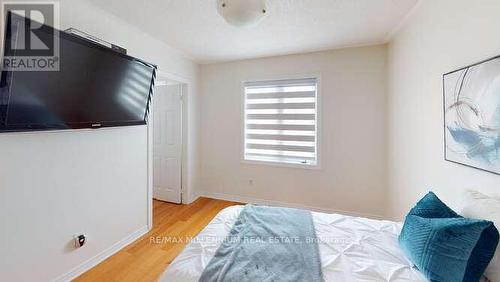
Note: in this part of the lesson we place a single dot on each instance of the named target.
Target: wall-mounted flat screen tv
(94, 86)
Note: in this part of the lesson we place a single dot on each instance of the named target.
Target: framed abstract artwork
(472, 115)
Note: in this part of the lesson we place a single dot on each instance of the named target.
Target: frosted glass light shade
(242, 12)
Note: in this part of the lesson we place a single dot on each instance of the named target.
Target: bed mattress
(351, 249)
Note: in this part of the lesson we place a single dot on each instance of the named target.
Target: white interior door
(167, 143)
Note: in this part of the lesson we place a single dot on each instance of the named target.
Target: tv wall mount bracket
(86, 36)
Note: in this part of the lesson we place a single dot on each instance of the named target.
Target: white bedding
(351, 249)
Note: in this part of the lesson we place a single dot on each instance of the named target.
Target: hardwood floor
(145, 260)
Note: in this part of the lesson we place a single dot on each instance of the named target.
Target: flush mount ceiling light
(242, 12)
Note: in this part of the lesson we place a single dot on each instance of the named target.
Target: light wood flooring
(145, 260)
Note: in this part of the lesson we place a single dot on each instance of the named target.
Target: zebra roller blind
(281, 121)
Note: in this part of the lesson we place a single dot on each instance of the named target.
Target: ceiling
(291, 26)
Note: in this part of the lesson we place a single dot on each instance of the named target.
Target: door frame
(162, 78)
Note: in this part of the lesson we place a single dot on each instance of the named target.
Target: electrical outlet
(80, 240)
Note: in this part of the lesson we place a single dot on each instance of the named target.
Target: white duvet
(351, 249)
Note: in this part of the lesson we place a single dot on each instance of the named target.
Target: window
(281, 121)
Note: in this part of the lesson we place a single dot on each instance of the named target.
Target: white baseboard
(251, 200)
(194, 197)
(77, 271)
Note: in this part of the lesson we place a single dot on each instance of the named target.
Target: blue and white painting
(472, 116)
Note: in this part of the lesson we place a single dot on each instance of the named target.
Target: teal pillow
(430, 206)
(445, 246)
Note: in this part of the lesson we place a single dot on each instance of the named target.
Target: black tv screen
(95, 86)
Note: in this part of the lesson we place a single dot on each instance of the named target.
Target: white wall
(439, 36)
(56, 184)
(353, 175)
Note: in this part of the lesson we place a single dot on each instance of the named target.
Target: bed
(350, 248)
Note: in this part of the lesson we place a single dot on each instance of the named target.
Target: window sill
(280, 164)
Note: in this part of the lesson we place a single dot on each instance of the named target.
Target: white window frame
(319, 151)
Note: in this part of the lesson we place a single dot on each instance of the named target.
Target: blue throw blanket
(267, 244)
